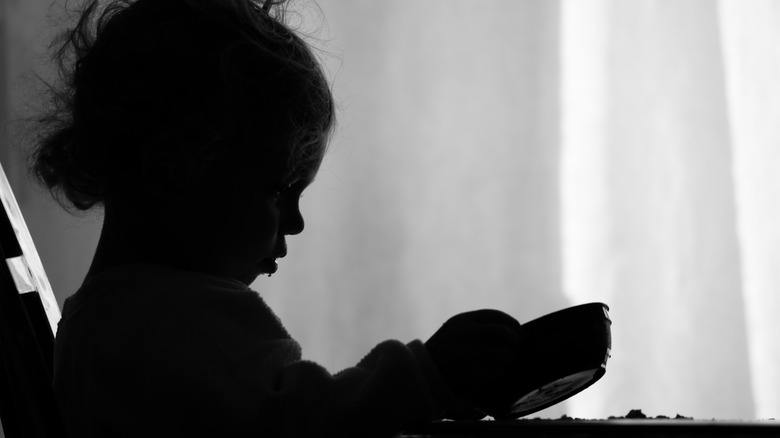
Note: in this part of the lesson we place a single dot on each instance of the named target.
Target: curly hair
(154, 96)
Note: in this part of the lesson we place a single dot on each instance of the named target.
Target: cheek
(256, 226)
(250, 220)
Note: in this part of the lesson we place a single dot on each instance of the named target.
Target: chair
(28, 321)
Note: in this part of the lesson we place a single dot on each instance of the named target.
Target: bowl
(568, 352)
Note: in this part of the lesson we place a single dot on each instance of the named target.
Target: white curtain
(530, 155)
(669, 201)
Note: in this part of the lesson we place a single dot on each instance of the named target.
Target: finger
(492, 316)
(495, 335)
(488, 316)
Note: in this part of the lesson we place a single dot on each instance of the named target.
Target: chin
(265, 267)
(248, 279)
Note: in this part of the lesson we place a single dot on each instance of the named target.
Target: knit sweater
(147, 350)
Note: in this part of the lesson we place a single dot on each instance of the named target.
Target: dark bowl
(568, 352)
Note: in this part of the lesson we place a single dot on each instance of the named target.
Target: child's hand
(474, 351)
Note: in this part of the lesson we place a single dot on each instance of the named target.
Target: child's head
(157, 95)
(165, 100)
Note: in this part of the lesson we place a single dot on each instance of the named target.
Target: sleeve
(204, 374)
(392, 388)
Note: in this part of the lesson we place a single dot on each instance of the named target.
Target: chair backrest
(28, 321)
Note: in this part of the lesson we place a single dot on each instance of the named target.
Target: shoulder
(152, 301)
(148, 342)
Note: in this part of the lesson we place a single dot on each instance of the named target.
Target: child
(196, 125)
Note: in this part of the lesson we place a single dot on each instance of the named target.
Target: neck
(125, 239)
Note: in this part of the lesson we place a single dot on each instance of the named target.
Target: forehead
(301, 162)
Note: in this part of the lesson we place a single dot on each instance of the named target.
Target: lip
(268, 266)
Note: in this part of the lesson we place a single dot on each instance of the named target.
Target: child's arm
(272, 392)
(392, 388)
(396, 385)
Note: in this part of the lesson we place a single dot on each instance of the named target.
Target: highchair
(28, 322)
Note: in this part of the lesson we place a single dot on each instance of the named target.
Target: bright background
(527, 156)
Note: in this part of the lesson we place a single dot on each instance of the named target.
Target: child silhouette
(195, 125)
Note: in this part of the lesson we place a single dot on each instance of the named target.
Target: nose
(292, 220)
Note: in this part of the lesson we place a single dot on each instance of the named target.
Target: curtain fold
(750, 35)
(670, 252)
